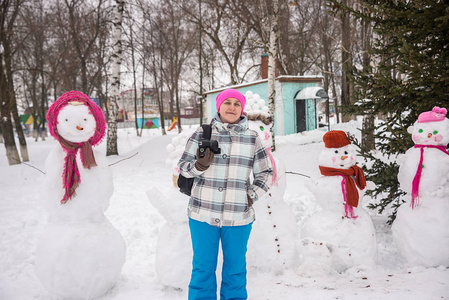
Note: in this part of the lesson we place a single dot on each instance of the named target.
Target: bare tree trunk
(272, 53)
(346, 60)
(160, 95)
(200, 64)
(144, 67)
(19, 131)
(115, 86)
(134, 80)
(7, 19)
(5, 121)
(368, 141)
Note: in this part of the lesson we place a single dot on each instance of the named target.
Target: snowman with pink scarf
(421, 228)
(272, 246)
(80, 254)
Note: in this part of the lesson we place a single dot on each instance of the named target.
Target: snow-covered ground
(22, 219)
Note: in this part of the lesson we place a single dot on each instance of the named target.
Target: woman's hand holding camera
(203, 163)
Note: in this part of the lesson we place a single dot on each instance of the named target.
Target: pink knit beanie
(437, 114)
(230, 93)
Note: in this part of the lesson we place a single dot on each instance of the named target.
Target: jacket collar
(240, 127)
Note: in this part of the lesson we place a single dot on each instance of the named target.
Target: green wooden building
(296, 103)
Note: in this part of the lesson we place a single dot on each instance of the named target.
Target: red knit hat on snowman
(352, 176)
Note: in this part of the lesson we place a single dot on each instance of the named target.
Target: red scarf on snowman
(352, 177)
(71, 176)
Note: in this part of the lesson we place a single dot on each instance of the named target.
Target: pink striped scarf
(417, 178)
(71, 175)
(274, 181)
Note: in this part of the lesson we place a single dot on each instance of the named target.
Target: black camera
(211, 144)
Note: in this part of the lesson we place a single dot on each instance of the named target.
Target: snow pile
(140, 223)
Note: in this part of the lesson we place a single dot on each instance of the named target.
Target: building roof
(283, 78)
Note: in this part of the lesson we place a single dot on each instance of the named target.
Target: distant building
(150, 105)
(297, 104)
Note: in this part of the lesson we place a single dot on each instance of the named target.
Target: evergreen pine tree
(409, 74)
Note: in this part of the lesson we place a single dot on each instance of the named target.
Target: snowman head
(338, 153)
(431, 128)
(77, 119)
(75, 122)
(262, 124)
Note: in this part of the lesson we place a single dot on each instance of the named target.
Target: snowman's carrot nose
(344, 157)
(79, 128)
(429, 135)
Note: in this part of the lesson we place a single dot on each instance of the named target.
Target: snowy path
(22, 220)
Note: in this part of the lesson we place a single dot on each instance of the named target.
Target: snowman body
(174, 247)
(344, 234)
(92, 199)
(421, 232)
(272, 245)
(80, 254)
(175, 150)
(174, 253)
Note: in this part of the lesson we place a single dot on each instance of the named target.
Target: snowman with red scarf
(80, 253)
(341, 235)
(420, 230)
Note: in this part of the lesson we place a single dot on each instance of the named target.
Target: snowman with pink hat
(80, 253)
(420, 230)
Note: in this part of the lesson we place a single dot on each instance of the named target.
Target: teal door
(310, 114)
(301, 116)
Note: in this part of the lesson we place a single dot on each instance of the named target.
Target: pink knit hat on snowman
(230, 93)
(437, 114)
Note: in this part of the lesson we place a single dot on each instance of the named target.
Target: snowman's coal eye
(336, 151)
(346, 152)
(85, 119)
(66, 120)
(261, 128)
(420, 131)
(435, 132)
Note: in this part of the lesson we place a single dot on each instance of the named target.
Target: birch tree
(111, 148)
(272, 53)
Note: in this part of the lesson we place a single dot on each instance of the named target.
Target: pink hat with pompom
(230, 93)
(436, 115)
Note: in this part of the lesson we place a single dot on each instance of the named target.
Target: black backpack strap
(207, 131)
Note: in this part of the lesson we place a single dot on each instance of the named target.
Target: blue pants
(205, 243)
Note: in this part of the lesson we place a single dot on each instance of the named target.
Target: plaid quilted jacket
(219, 194)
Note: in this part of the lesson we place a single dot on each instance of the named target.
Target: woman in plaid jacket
(220, 207)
